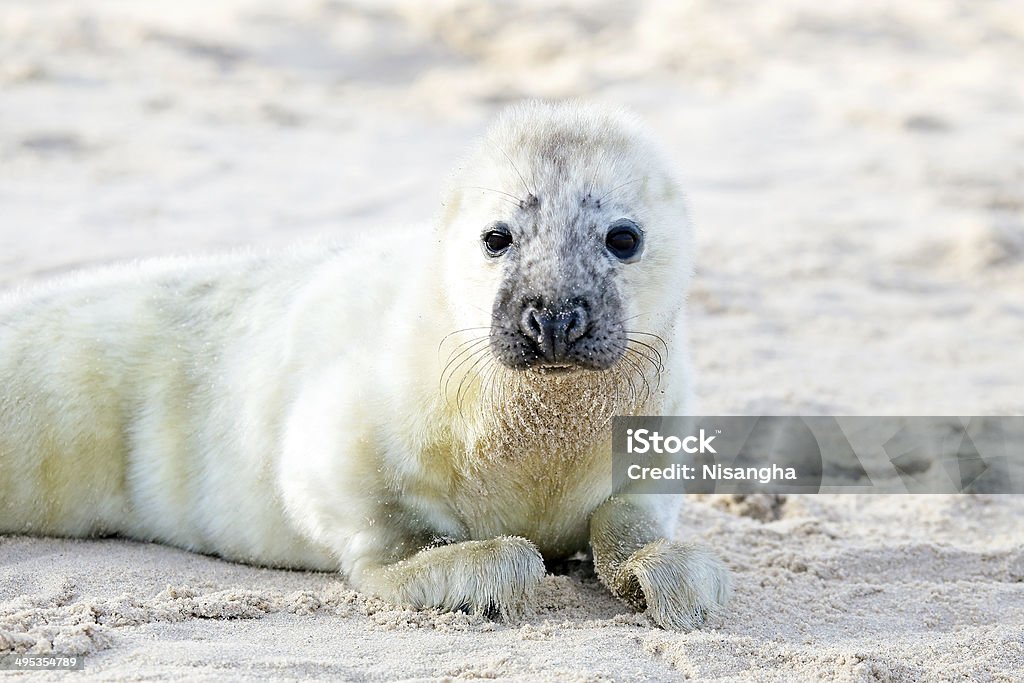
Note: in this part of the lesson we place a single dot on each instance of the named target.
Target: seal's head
(565, 232)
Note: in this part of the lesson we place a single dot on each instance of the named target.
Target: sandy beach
(856, 176)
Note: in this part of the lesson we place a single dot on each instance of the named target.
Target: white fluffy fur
(288, 409)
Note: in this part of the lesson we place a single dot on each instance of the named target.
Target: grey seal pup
(428, 414)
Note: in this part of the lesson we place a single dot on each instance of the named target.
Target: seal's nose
(553, 331)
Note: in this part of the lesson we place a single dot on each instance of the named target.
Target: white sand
(856, 170)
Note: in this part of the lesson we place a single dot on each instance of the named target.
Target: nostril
(531, 323)
(576, 324)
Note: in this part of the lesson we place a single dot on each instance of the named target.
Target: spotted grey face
(558, 305)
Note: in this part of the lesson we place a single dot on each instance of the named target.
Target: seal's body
(429, 414)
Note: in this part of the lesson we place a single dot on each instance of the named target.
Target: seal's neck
(514, 414)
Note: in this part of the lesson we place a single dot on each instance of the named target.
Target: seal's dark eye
(624, 240)
(497, 239)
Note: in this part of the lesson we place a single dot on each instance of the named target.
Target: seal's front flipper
(496, 576)
(679, 585)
